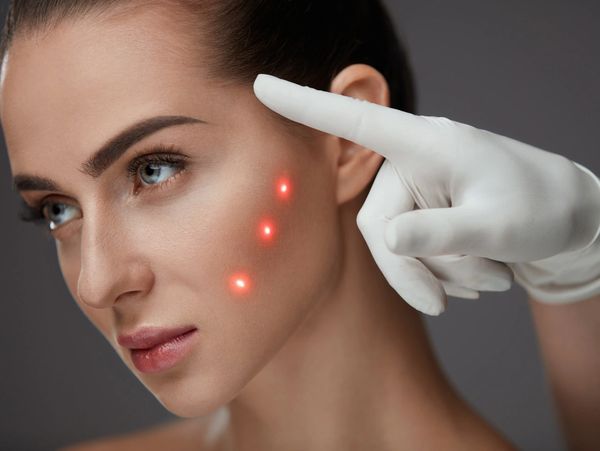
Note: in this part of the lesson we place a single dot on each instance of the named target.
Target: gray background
(528, 70)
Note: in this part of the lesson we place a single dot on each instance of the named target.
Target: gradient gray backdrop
(525, 69)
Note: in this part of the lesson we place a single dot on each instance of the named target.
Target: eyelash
(160, 155)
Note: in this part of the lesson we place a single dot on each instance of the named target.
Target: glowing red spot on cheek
(267, 230)
(284, 188)
(240, 283)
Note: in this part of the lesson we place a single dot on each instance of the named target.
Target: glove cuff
(564, 278)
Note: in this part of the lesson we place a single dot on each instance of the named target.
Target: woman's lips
(155, 349)
(148, 337)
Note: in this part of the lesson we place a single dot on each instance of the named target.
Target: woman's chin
(186, 405)
(191, 398)
(186, 408)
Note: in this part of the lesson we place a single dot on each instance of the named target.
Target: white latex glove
(536, 212)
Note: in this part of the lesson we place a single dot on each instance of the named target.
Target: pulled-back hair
(304, 41)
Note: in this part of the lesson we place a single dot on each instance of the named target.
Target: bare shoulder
(177, 435)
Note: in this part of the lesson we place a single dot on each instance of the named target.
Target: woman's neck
(359, 373)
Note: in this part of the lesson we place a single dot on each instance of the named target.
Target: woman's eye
(56, 211)
(155, 173)
(155, 170)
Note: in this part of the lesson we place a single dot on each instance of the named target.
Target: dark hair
(304, 41)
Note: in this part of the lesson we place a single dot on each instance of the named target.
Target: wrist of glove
(566, 277)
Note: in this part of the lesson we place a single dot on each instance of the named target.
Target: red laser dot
(266, 230)
(284, 188)
(239, 283)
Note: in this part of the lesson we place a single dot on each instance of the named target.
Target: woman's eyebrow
(108, 154)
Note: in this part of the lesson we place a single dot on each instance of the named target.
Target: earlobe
(357, 165)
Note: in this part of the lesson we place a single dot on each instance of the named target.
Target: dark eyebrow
(108, 153)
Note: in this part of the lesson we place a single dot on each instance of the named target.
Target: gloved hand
(503, 203)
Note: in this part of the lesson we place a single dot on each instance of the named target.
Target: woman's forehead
(81, 57)
(80, 83)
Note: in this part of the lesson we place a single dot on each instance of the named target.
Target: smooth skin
(568, 336)
(324, 354)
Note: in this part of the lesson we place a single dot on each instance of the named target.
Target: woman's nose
(111, 265)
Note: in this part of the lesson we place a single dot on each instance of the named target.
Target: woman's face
(163, 246)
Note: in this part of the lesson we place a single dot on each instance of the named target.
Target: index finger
(387, 131)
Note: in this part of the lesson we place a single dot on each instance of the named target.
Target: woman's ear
(357, 165)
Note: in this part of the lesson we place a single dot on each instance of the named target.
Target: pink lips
(154, 349)
(148, 337)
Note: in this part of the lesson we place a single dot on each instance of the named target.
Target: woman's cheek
(249, 234)
(244, 325)
(272, 234)
(278, 257)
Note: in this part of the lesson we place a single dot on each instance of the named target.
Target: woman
(246, 249)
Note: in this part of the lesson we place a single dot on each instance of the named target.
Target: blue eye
(157, 171)
(37, 214)
(152, 166)
(55, 210)
(153, 171)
